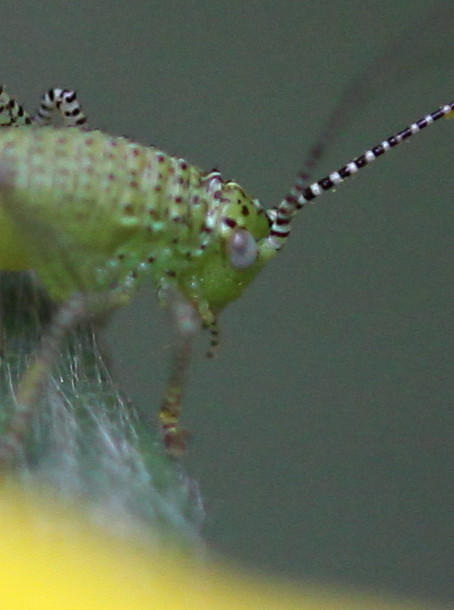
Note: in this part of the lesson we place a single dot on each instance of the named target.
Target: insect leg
(187, 324)
(35, 377)
(12, 114)
(78, 308)
(63, 101)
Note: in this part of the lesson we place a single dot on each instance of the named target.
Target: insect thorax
(91, 212)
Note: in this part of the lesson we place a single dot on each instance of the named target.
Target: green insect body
(89, 213)
(93, 215)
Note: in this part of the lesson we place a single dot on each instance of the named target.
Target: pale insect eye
(242, 249)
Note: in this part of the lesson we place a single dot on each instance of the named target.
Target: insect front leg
(187, 323)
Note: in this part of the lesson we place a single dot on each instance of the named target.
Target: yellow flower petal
(52, 559)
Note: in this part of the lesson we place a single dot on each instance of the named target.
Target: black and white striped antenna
(301, 193)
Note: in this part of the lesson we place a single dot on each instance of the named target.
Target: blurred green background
(323, 435)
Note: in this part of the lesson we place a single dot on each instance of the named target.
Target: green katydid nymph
(96, 215)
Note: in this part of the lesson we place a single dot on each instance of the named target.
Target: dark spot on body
(230, 222)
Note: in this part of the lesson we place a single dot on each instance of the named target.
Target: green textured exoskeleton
(94, 215)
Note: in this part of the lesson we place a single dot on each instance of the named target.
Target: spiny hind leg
(187, 323)
(12, 114)
(63, 101)
(55, 100)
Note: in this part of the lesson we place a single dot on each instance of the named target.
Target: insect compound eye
(242, 249)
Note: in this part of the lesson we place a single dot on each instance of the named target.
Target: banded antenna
(300, 194)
